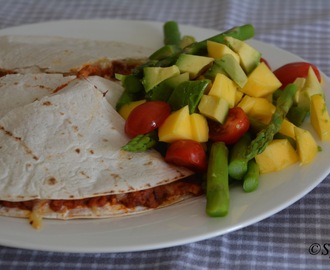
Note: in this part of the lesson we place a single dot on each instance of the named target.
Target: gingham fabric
(281, 241)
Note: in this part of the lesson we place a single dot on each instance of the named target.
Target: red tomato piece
(236, 124)
(146, 117)
(187, 153)
(289, 72)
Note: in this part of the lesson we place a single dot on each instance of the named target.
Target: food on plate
(122, 129)
(61, 137)
(224, 96)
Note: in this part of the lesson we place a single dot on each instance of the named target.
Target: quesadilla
(61, 157)
(42, 54)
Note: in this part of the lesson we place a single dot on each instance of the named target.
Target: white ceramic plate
(179, 224)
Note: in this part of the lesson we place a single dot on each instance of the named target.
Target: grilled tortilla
(61, 157)
(42, 54)
(61, 138)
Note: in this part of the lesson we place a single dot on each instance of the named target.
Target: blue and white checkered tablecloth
(281, 241)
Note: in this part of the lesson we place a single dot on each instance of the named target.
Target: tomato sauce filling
(4, 72)
(108, 71)
(149, 198)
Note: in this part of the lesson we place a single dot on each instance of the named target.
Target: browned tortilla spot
(115, 176)
(52, 181)
(75, 128)
(148, 163)
(47, 103)
(19, 140)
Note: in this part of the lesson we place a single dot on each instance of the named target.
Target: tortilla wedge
(42, 54)
(65, 148)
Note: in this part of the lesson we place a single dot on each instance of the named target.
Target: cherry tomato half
(187, 153)
(236, 124)
(289, 72)
(146, 117)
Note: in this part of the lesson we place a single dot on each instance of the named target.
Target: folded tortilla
(67, 146)
(61, 138)
(42, 54)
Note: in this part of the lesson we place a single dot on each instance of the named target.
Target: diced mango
(246, 103)
(217, 50)
(238, 96)
(262, 110)
(278, 155)
(319, 116)
(306, 145)
(126, 109)
(213, 107)
(176, 127)
(199, 128)
(182, 125)
(225, 88)
(261, 82)
(287, 129)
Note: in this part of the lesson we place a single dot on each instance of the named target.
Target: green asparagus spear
(242, 32)
(133, 90)
(172, 35)
(297, 115)
(217, 186)
(141, 143)
(164, 52)
(251, 178)
(238, 164)
(200, 48)
(265, 136)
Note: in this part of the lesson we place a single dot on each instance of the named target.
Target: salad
(216, 107)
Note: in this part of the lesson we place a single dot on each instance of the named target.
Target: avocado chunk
(188, 93)
(215, 108)
(212, 72)
(233, 69)
(154, 75)
(249, 56)
(163, 90)
(193, 64)
(311, 87)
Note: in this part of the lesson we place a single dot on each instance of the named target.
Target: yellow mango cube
(262, 110)
(261, 82)
(177, 126)
(319, 116)
(199, 128)
(238, 96)
(306, 145)
(287, 129)
(217, 50)
(278, 155)
(225, 88)
(246, 103)
(213, 107)
(126, 109)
